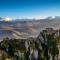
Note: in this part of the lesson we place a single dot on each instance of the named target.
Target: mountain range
(24, 28)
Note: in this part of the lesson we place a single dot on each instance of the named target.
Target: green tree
(52, 46)
(49, 46)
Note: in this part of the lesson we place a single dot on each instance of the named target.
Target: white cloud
(7, 19)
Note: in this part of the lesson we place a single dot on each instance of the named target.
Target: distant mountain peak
(50, 17)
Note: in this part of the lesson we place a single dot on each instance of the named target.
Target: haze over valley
(24, 28)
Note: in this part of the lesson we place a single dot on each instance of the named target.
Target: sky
(29, 8)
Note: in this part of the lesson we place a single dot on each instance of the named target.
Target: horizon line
(37, 17)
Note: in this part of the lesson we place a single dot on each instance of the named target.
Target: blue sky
(29, 8)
